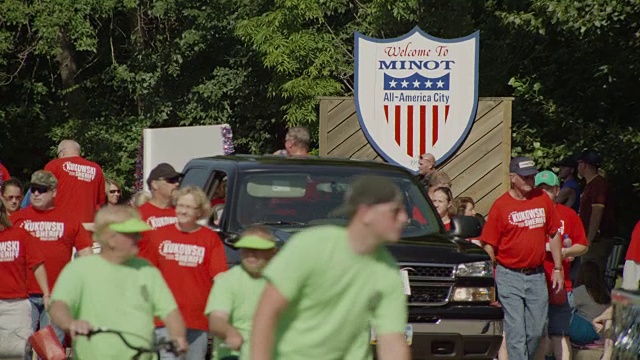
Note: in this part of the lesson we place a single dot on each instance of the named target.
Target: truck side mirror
(228, 238)
(465, 227)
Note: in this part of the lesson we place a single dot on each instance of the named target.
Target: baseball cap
(522, 166)
(369, 190)
(569, 162)
(44, 178)
(162, 171)
(130, 226)
(590, 157)
(547, 177)
(254, 242)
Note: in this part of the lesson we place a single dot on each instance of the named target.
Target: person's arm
(599, 321)
(491, 252)
(597, 211)
(61, 316)
(41, 278)
(574, 250)
(219, 326)
(556, 252)
(271, 305)
(85, 252)
(177, 330)
(393, 347)
(566, 196)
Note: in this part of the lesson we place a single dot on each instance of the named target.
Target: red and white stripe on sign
(407, 112)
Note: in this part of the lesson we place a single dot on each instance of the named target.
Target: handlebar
(166, 345)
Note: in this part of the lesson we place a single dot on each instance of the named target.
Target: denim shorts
(559, 319)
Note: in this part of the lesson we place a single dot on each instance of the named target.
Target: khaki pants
(15, 328)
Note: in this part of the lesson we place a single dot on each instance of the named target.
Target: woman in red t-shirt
(442, 199)
(19, 253)
(189, 256)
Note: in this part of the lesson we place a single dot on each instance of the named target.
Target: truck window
(308, 198)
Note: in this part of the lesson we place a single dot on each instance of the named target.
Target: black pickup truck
(451, 279)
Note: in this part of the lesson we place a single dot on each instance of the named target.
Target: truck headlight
(473, 294)
(479, 268)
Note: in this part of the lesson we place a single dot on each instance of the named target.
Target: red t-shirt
(19, 255)
(571, 225)
(156, 218)
(4, 174)
(633, 252)
(80, 186)
(518, 229)
(188, 262)
(59, 232)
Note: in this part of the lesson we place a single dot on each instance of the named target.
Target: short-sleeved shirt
(122, 297)
(571, 226)
(188, 262)
(633, 252)
(585, 306)
(58, 233)
(156, 218)
(80, 190)
(236, 293)
(573, 184)
(334, 295)
(19, 255)
(596, 193)
(518, 229)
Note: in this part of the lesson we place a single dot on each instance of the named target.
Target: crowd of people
(161, 274)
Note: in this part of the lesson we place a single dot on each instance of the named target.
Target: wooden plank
(484, 107)
(323, 131)
(483, 205)
(488, 123)
(475, 152)
(350, 145)
(477, 168)
(506, 144)
(339, 134)
(484, 185)
(340, 113)
(367, 152)
(332, 103)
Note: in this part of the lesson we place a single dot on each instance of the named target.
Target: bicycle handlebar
(166, 345)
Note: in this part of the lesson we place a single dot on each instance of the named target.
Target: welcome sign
(416, 94)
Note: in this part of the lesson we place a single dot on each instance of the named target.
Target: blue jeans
(197, 340)
(525, 302)
(40, 319)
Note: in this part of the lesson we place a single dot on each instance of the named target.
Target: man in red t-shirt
(80, 182)
(631, 272)
(515, 235)
(58, 233)
(574, 244)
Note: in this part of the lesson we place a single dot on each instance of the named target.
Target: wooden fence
(479, 168)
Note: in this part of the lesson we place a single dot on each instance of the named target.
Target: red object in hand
(46, 344)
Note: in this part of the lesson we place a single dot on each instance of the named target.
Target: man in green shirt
(235, 294)
(329, 285)
(115, 290)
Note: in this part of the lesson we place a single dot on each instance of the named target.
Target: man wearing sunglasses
(80, 182)
(58, 232)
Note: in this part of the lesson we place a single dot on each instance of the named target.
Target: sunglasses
(114, 191)
(40, 189)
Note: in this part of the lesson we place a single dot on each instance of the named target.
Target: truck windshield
(307, 198)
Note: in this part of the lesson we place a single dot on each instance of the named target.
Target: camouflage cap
(45, 178)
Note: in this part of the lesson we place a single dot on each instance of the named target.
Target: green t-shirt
(122, 297)
(236, 293)
(334, 295)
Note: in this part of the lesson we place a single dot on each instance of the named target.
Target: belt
(527, 271)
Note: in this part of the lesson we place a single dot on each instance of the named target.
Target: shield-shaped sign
(416, 94)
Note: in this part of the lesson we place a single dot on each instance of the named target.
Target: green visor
(130, 226)
(254, 242)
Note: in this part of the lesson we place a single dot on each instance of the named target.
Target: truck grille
(429, 294)
(429, 272)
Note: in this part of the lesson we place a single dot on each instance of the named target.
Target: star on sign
(404, 83)
(428, 84)
(416, 84)
(392, 83)
(440, 83)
